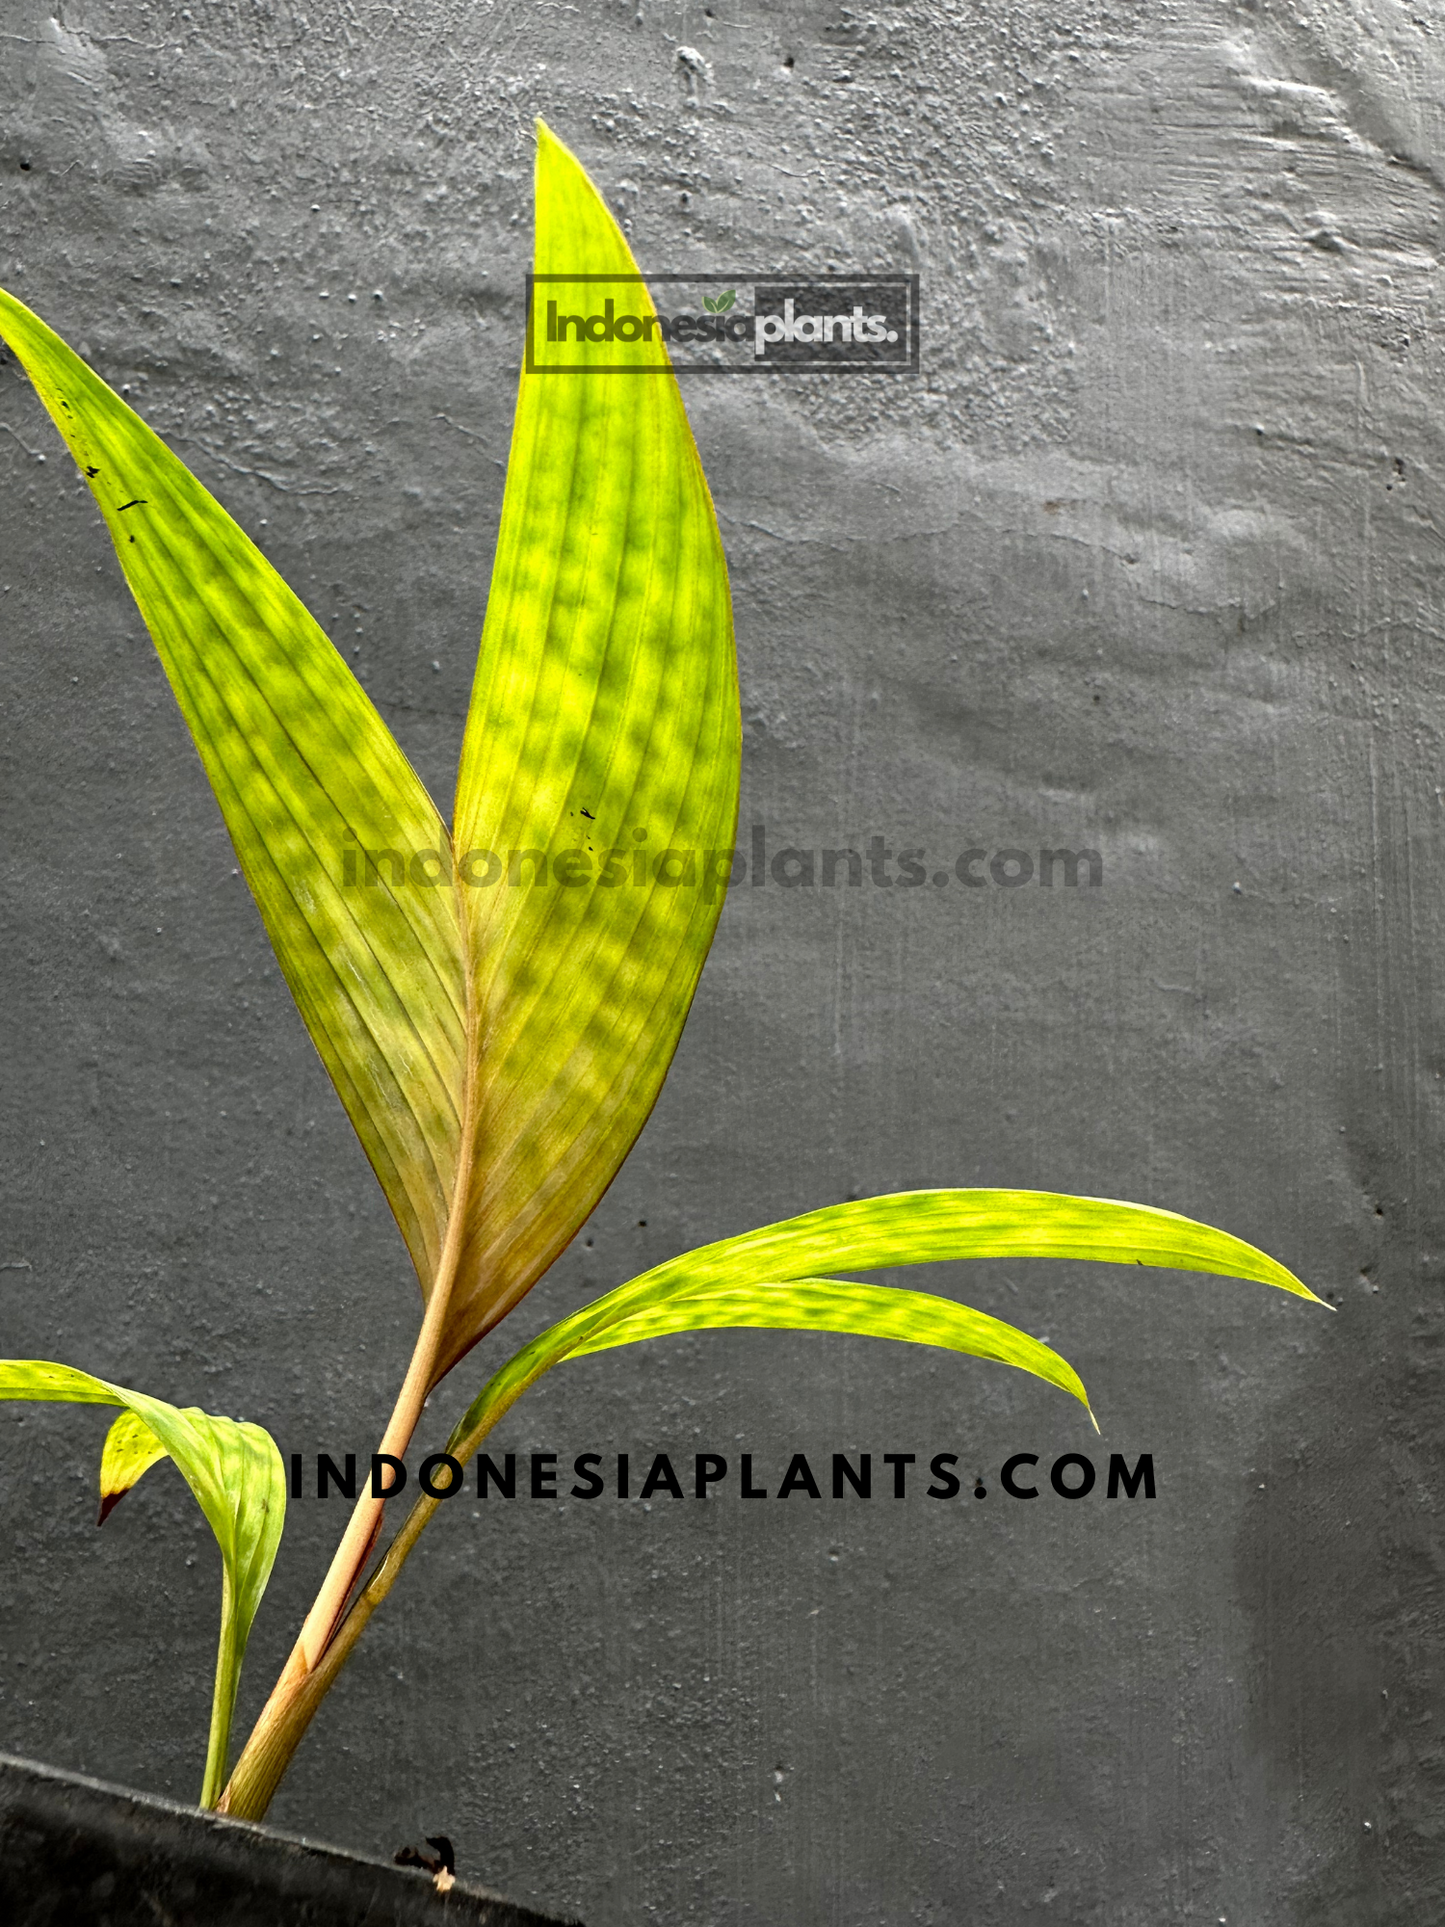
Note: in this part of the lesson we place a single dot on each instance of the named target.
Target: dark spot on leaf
(590, 817)
(138, 503)
(92, 473)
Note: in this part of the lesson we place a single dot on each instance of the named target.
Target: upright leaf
(497, 1048)
(238, 1480)
(330, 823)
(604, 718)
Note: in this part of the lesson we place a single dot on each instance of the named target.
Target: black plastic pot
(75, 1852)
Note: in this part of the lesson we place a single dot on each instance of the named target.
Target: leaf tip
(108, 1503)
(549, 144)
(1302, 1290)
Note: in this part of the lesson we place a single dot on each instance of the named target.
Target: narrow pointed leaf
(839, 1305)
(868, 1234)
(922, 1227)
(235, 1472)
(604, 717)
(310, 782)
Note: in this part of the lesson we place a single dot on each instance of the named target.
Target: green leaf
(905, 1228)
(725, 301)
(839, 1305)
(604, 717)
(310, 782)
(497, 1048)
(236, 1475)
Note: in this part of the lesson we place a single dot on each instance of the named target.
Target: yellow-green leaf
(604, 718)
(839, 1305)
(235, 1472)
(923, 1227)
(131, 1449)
(868, 1234)
(497, 1046)
(330, 823)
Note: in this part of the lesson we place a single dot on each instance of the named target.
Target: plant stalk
(269, 1750)
(296, 1695)
(271, 1746)
(223, 1696)
(349, 1560)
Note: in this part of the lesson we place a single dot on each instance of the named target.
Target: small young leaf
(131, 1449)
(239, 1482)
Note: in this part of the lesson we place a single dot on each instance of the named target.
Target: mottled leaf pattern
(330, 823)
(604, 717)
(839, 1305)
(904, 1228)
(497, 1044)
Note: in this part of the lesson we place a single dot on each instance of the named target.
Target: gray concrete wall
(1147, 558)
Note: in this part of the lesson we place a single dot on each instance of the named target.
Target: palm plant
(498, 1049)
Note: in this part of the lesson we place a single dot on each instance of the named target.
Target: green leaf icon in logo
(719, 304)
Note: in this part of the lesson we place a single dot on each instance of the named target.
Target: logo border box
(832, 367)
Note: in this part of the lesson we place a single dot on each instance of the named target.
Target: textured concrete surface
(1146, 559)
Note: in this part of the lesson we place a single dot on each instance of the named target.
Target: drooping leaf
(330, 823)
(763, 1278)
(922, 1227)
(233, 1469)
(131, 1449)
(839, 1305)
(868, 1234)
(604, 718)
